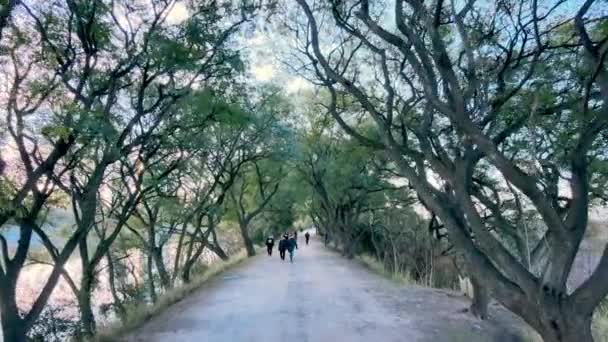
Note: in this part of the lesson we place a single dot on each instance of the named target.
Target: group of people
(286, 244)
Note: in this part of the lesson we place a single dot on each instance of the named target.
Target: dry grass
(376, 266)
(600, 323)
(140, 314)
(466, 334)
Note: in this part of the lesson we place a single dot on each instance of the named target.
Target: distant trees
(341, 176)
(346, 182)
(479, 98)
(249, 203)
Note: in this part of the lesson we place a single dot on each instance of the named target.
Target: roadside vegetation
(138, 314)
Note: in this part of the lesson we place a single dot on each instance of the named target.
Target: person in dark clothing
(295, 235)
(270, 244)
(307, 237)
(283, 246)
(291, 247)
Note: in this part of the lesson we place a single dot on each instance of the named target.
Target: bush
(54, 325)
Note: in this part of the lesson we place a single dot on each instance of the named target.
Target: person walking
(291, 247)
(283, 246)
(307, 237)
(270, 244)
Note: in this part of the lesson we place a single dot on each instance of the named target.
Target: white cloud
(296, 84)
(178, 13)
(263, 72)
(258, 40)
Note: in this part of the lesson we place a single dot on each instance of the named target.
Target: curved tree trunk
(481, 299)
(187, 268)
(244, 225)
(561, 322)
(217, 249)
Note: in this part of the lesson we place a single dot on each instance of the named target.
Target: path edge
(142, 314)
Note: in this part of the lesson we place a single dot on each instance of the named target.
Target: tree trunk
(187, 269)
(178, 254)
(217, 249)
(87, 319)
(349, 248)
(150, 277)
(244, 225)
(186, 272)
(165, 279)
(13, 327)
(395, 261)
(561, 323)
(481, 299)
(481, 296)
(119, 307)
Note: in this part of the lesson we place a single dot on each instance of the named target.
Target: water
(11, 234)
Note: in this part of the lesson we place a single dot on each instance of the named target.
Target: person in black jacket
(307, 237)
(270, 244)
(283, 246)
(291, 247)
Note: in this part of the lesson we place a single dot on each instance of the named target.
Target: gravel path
(320, 297)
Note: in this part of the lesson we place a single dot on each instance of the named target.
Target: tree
(248, 202)
(460, 96)
(260, 178)
(36, 90)
(216, 159)
(153, 92)
(344, 182)
(92, 90)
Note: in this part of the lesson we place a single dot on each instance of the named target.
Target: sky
(264, 64)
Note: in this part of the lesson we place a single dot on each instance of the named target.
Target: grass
(377, 266)
(140, 314)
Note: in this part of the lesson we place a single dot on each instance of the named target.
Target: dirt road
(320, 297)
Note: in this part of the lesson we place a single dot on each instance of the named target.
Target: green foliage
(56, 132)
(166, 52)
(7, 190)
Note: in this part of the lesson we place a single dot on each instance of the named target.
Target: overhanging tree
(461, 92)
